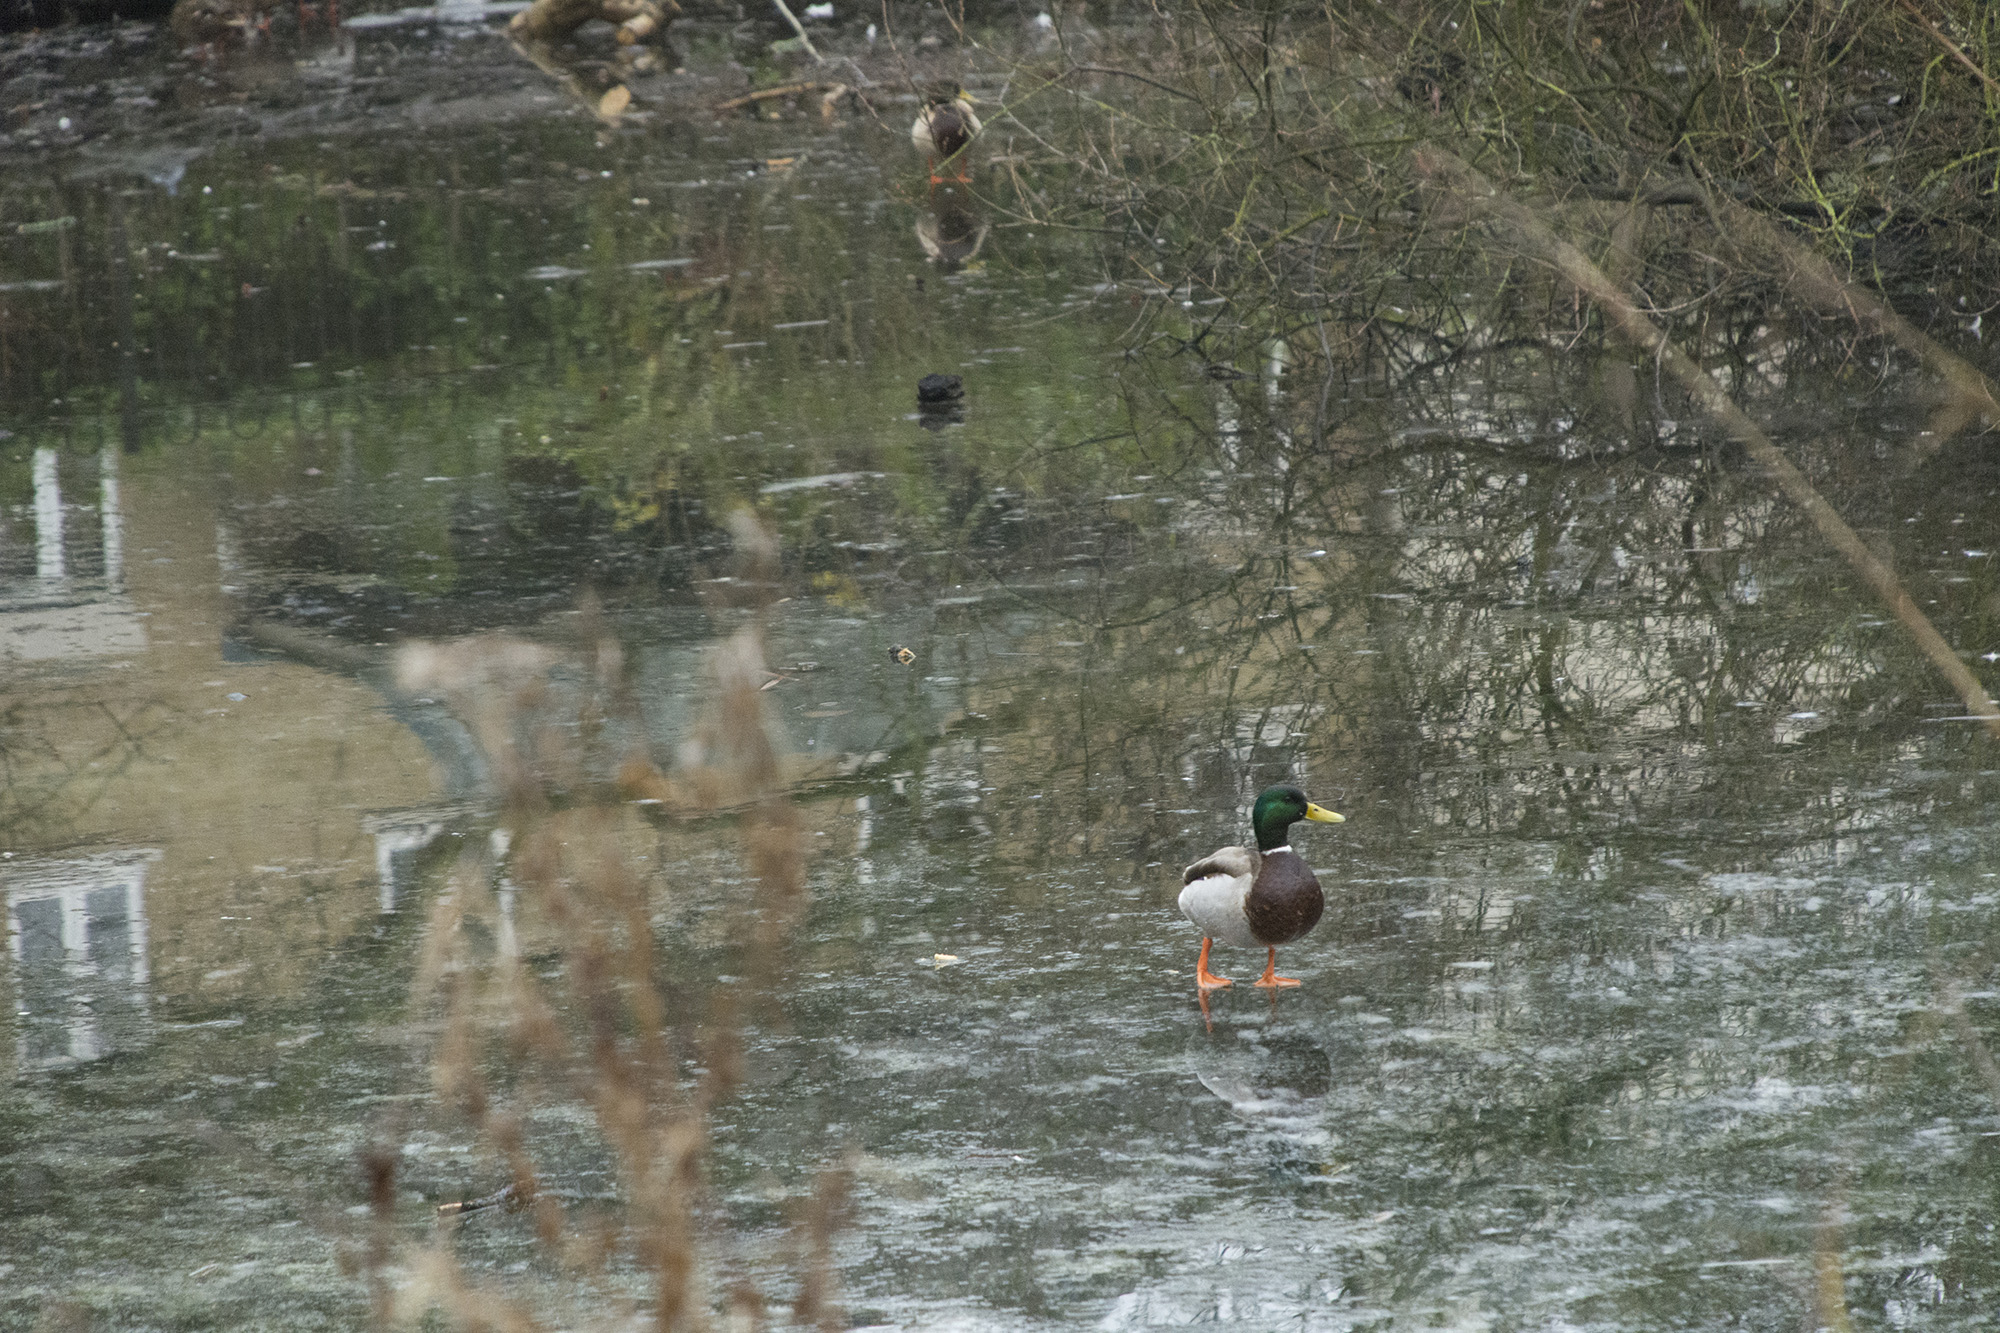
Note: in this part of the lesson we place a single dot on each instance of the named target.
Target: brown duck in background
(944, 129)
(203, 22)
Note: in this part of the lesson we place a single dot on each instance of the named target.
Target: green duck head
(1278, 808)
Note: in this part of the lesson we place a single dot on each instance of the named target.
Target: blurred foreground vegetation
(1275, 464)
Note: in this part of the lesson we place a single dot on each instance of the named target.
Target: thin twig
(782, 90)
(1949, 45)
(1128, 74)
(800, 29)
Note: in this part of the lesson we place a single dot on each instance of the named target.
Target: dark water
(1656, 987)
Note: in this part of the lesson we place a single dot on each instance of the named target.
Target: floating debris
(938, 390)
(819, 480)
(513, 1196)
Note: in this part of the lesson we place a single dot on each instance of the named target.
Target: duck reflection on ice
(77, 931)
(1276, 1079)
(951, 230)
(400, 837)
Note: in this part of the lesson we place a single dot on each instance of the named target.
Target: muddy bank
(125, 98)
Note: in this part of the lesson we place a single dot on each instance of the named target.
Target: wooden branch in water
(1811, 277)
(512, 1196)
(1533, 238)
(782, 90)
(1814, 279)
(607, 106)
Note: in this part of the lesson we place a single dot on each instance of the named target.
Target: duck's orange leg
(1271, 977)
(1204, 978)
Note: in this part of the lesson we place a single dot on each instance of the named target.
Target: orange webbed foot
(1204, 978)
(1271, 979)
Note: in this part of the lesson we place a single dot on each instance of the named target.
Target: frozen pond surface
(1657, 985)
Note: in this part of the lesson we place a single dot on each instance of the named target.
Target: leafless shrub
(1253, 164)
(508, 1038)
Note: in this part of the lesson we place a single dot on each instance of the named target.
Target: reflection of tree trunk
(121, 301)
(1533, 237)
(1548, 647)
(1952, 1003)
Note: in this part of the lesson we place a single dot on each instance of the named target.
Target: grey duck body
(1251, 899)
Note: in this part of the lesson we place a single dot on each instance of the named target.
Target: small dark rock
(934, 390)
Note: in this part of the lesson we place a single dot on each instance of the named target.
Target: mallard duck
(1267, 896)
(943, 128)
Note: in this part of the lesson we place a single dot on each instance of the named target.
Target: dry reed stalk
(605, 1030)
(437, 1282)
(378, 1166)
(1829, 1280)
(817, 1303)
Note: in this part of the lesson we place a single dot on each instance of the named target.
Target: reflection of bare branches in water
(516, 1037)
(1495, 636)
(1310, 286)
(57, 762)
